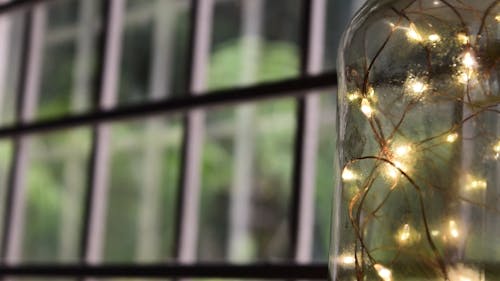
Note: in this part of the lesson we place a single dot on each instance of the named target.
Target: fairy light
(418, 87)
(435, 232)
(383, 272)
(371, 92)
(348, 175)
(497, 18)
(463, 38)
(453, 229)
(353, 96)
(436, 3)
(366, 108)
(391, 171)
(463, 78)
(496, 147)
(404, 233)
(347, 259)
(475, 184)
(434, 38)
(468, 60)
(413, 34)
(402, 150)
(451, 138)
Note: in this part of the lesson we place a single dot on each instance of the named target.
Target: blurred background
(130, 191)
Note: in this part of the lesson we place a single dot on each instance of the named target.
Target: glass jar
(418, 195)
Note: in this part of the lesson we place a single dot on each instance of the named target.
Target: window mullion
(27, 102)
(96, 201)
(313, 30)
(194, 131)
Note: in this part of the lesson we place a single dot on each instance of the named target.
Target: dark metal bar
(297, 174)
(276, 90)
(258, 271)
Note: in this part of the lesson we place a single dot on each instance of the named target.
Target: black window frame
(305, 89)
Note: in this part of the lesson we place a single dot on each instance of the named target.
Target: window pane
(246, 183)
(5, 163)
(154, 51)
(325, 181)
(69, 55)
(254, 41)
(11, 35)
(144, 175)
(55, 188)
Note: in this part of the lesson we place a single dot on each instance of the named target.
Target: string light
(435, 232)
(496, 147)
(353, 96)
(418, 87)
(463, 38)
(468, 60)
(463, 78)
(404, 233)
(348, 175)
(347, 260)
(366, 108)
(497, 18)
(453, 229)
(434, 38)
(383, 272)
(413, 34)
(402, 150)
(371, 92)
(451, 138)
(475, 184)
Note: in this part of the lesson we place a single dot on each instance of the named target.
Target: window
(167, 138)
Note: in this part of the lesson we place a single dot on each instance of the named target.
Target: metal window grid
(305, 89)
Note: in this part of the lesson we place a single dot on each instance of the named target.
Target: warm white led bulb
(418, 87)
(348, 175)
(404, 233)
(366, 108)
(402, 150)
(383, 272)
(452, 137)
(453, 229)
(468, 60)
(463, 38)
(434, 38)
(413, 34)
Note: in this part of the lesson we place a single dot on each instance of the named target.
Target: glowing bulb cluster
(473, 183)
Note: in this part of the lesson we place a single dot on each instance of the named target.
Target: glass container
(418, 194)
